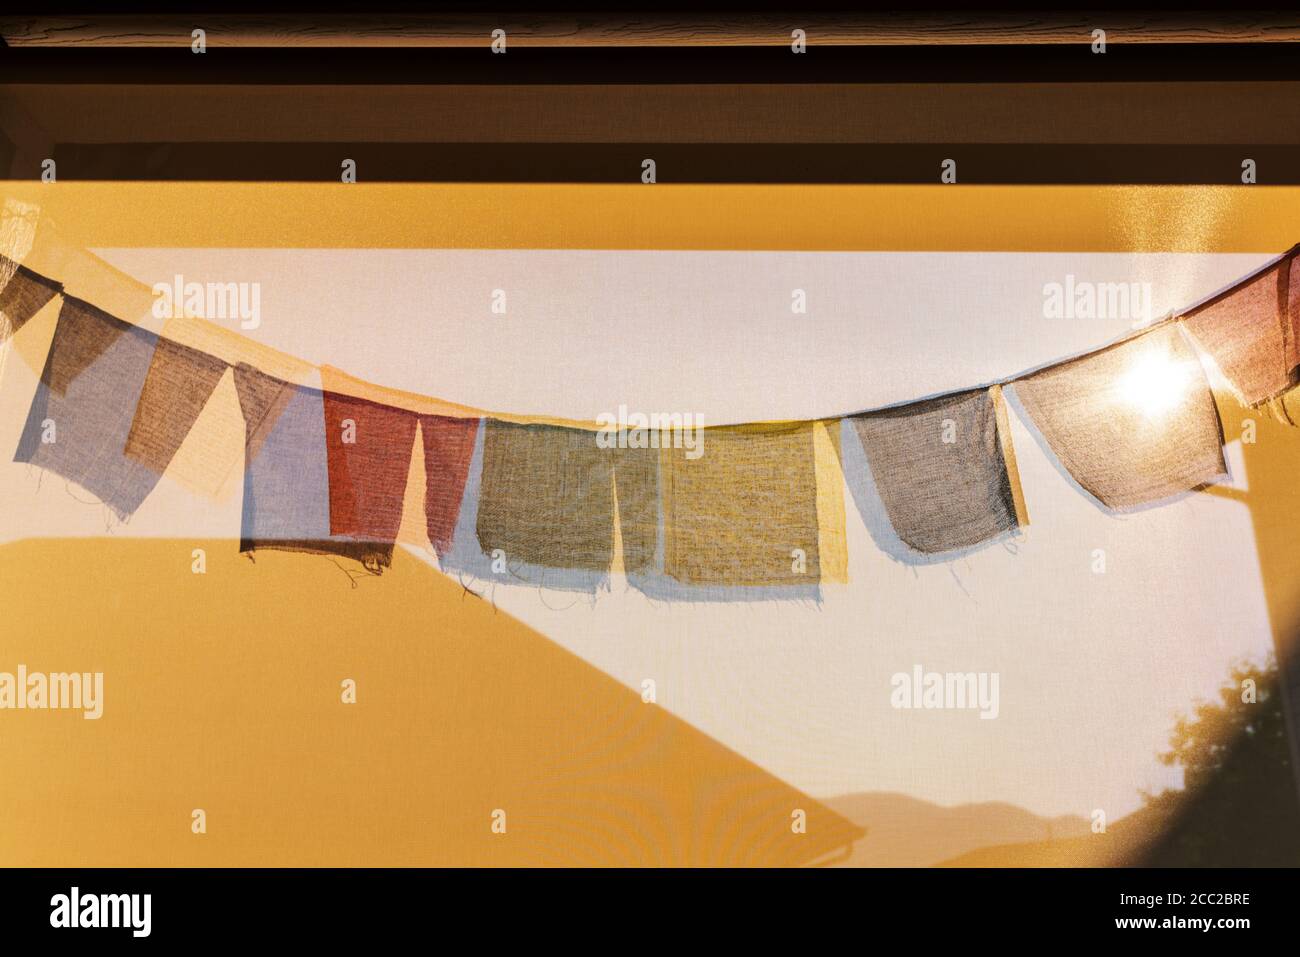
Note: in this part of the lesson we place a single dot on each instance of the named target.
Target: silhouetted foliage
(1239, 805)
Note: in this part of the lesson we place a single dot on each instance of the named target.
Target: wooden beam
(1222, 113)
(652, 29)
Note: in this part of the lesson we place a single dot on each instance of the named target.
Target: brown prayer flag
(1134, 423)
(23, 294)
(177, 387)
(1251, 332)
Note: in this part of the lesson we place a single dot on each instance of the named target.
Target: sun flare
(1156, 384)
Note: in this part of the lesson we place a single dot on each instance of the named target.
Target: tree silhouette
(1238, 806)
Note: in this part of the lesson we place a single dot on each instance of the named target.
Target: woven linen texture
(636, 492)
(939, 470)
(448, 450)
(546, 497)
(736, 514)
(1134, 423)
(177, 387)
(1251, 333)
(369, 449)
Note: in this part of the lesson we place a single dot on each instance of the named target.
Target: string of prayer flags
(941, 470)
(725, 513)
(1134, 423)
(85, 403)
